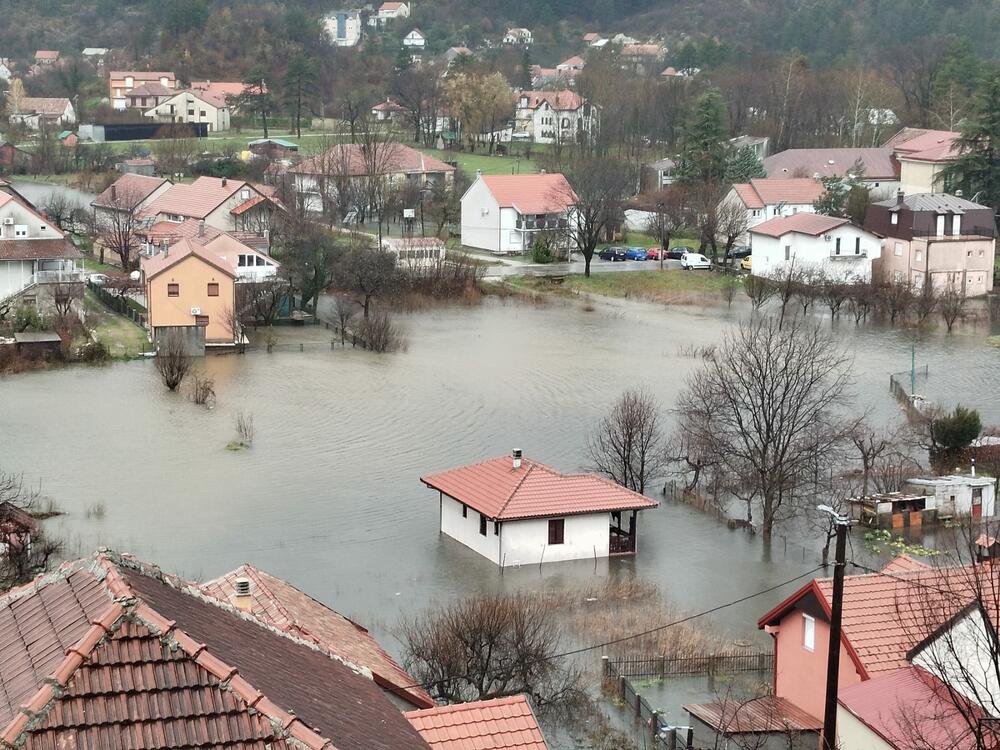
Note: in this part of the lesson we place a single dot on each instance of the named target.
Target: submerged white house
(516, 511)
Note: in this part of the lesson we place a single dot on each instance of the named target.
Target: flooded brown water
(329, 497)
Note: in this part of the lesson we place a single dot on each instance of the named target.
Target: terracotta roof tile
(831, 162)
(281, 605)
(130, 190)
(348, 159)
(531, 193)
(499, 724)
(771, 191)
(41, 105)
(800, 223)
(153, 265)
(197, 199)
(499, 491)
(558, 100)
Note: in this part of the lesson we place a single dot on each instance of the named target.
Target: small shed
(895, 510)
(144, 167)
(273, 148)
(516, 511)
(38, 344)
(958, 494)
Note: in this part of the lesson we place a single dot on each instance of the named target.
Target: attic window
(808, 632)
(894, 218)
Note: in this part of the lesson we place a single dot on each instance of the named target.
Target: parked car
(695, 261)
(746, 263)
(738, 252)
(653, 253)
(612, 253)
(635, 253)
(676, 253)
(98, 279)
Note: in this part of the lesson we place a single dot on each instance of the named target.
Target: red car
(653, 253)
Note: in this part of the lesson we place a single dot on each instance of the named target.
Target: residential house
(16, 527)
(759, 144)
(140, 166)
(517, 37)
(278, 604)
(229, 205)
(642, 58)
(923, 155)
(191, 107)
(880, 170)
(120, 82)
(36, 113)
(823, 247)
(415, 252)
(453, 53)
(498, 724)
(214, 673)
(669, 73)
(662, 174)
(12, 158)
(319, 179)
(516, 511)
(590, 37)
(96, 55)
(573, 64)
(34, 253)
(154, 236)
(6, 69)
(120, 203)
(415, 40)
(389, 11)
(223, 90)
(548, 77)
(554, 117)
(46, 57)
(343, 27)
(389, 111)
(147, 95)
(765, 199)
(957, 494)
(504, 213)
(938, 238)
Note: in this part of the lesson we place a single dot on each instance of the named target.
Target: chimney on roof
(242, 588)
(973, 467)
(201, 228)
(899, 197)
(958, 193)
(224, 181)
(516, 458)
(165, 244)
(114, 192)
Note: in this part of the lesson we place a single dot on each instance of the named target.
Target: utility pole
(842, 523)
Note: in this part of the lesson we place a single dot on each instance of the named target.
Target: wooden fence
(721, 663)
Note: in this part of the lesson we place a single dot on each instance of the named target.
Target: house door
(977, 502)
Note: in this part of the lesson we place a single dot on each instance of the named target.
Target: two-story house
(517, 37)
(819, 247)
(554, 117)
(766, 199)
(923, 155)
(192, 106)
(121, 82)
(879, 170)
(37, 113)
(34, 253)
(935, 238)
(147, 95)
(389, 11)
(504, 213)
(229, 205)
(343, 27)
(121, 202)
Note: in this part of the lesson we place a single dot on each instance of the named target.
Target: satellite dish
(134, 276)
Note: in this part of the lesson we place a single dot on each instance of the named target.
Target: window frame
(808, 632)
(210, 291)
(482, 525)
(173, 289)
(557, 531)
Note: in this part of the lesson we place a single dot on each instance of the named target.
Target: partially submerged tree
(368, 273)
(173, 361)
(491, 647)
(768, 400)
(628, 444)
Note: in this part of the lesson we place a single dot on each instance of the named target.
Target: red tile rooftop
(499, 724)
(498, 490)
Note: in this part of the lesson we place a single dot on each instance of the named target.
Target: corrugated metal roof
(498, 490)
(761, 715)
(936, 202)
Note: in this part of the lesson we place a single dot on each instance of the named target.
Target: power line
(658, 628)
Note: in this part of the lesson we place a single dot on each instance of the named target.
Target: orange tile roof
(348, 159)
(767, 714)
(130, 190)
(157, 264)
(197, 199)
(887, 614)
(219, 89)
(760, 192)
(531, 193)
(801, 223)
(498, 724)
(925, 145)
(279, 604)
(558, 100)
(499, 491)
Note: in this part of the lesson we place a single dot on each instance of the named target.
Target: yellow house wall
(193, 275)
(919, 177)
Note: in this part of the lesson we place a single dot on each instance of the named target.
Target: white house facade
(38, 112)
(554, 117)
(415, 40)
(518, 36)
(826, 246)
(516, 511)
(766, 199)
(389, 11)
(32, 250)
(192, 107)
(958, 495)
(343, 27)
(504, 213)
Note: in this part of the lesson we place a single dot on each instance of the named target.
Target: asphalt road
(514, 268)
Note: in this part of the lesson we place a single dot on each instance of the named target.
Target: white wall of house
(465, 528)
(857, 250)
(757, 216)
(526, 542)
(15, 275)
(482, 220)
(185, 107)
(955, 497)
(19, 223)
(544, 124)
(343, 28)
(854, 734)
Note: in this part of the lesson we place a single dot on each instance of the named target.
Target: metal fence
(118, 304)
(663, 736)
(720, 663)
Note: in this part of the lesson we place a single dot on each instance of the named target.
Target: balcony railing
(58, 277)
(964, 233)
(848, 256)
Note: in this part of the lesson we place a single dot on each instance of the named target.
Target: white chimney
(973, 467)
(516, 458)
(242, 588)
(201, 228)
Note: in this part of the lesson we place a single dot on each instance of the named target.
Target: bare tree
(925, 302)
(628, 444)
(380, 333)
(490, 647)
(64, 294)
(25, 550)
(60, 209)
(834, 293)
(767, 400)
(598, 190)
(344, 309)
(732, 222)
(670, 217)
(759, 290)
(951, 305)
(172, 359)
(895, 298)
(116, 224)
(367, 272)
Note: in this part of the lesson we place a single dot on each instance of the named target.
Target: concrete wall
(481, 230)
(920, 177)
(817, 253)
(800, 674)
(466, 529)
(527, 542)
(14, 276)
(854, 734)
(965, 263)
(192, 275)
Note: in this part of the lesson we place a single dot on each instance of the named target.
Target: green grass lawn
(124, 339)
(673, 287)
(485, 163)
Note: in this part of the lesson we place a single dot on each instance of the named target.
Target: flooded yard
(329, 495)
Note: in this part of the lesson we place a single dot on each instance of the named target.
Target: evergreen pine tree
(977, 169)
(743, 165)
(703, 156)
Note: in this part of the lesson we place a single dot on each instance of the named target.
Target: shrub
(27, 318)
(380, 333)
(955, 431)
(541, 252)
(203, 390)
(93, 352)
